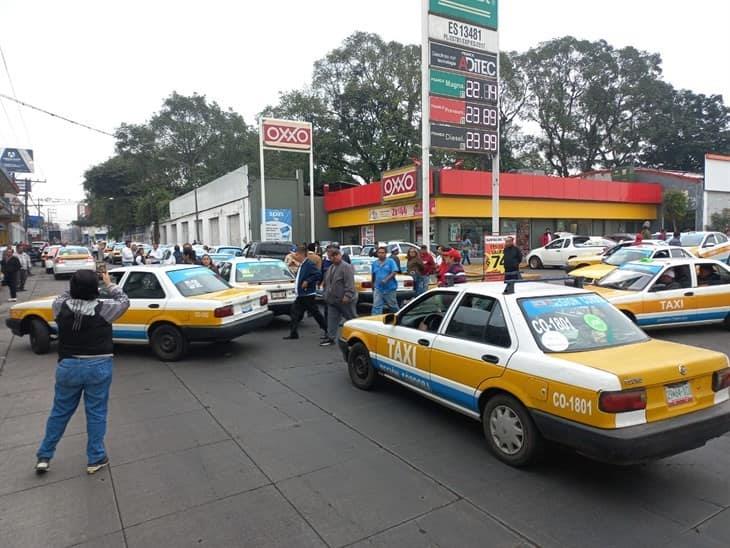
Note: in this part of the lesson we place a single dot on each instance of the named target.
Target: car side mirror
(389, 319)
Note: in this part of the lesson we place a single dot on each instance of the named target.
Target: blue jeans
(92, 377)
(420, 284)
(384, 299)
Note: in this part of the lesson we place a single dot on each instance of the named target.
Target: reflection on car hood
(594, 272)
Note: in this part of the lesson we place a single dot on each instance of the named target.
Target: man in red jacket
(546, 238)
(428, 261)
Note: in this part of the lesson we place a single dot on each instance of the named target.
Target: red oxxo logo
(287, 134)
(399, 184)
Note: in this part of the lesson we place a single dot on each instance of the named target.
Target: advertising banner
(406, 211)
(464, 61)
(278, 225)
(17, 160)
(367, 235)
(494, 256)
(287, 135)
(479, 12)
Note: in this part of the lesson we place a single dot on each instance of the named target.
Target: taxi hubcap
(506, 429)
(361, 367)
(167, 343)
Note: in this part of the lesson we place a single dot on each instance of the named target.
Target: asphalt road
(264, 442)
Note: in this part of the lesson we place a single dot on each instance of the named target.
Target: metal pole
(495, 169)
(197, 235)
(311, 190)
(425, 129)
(25, 221)
(262, 224)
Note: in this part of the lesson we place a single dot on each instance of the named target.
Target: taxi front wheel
(362, 372)
(40, 336)
(168, 343)
(510, 431)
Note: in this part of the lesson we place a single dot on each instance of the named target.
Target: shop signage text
(462, 34)
(479, 12)
(17, 160)
(287, 135)
(405, 211)
(464, 61)
(399, 183)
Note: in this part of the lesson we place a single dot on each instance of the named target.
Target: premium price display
(480, 115)
(481, 90)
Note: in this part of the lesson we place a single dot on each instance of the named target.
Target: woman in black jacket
(11, 272)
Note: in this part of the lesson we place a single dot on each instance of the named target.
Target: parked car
(560, 251)
(270, 274)
(598, 258)
(708, 245)
(69, 259)
(273, 250)
(621, 237)
(170, 307)
(364, 281)
(47, 257)
(351, 249)
(232, 250)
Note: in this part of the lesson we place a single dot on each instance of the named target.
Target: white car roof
(239, 260)
(154, 267)
(522, 289)
(675, 261)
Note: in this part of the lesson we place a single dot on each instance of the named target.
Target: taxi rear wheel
(40, 336)
(535, 263)
(510, 431)
(362, 372)
(168, 343)
(726, 323)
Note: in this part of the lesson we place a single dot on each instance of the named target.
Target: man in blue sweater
(308, 276)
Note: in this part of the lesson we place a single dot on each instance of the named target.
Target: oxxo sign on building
(400, 183)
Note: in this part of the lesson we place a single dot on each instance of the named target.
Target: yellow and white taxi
(670, 292)
(535, 361)
(364, 281)
(598, 258)
(625, 255)
(71, 258)
(170, 306)
(707, 245)
(270, 274)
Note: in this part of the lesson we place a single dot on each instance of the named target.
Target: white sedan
(560, 251)
(69, 259)
(270, 274)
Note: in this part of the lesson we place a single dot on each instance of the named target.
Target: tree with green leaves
(675, 205)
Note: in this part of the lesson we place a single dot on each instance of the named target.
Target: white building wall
(221, 198)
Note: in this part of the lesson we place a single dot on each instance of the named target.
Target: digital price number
(481, 90)
(480, 141)
(480, 115)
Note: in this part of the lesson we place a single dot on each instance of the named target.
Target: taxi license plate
(276, 295)
(246, 308)
(678, 394)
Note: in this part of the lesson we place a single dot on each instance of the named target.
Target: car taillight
(223, 311)
(263, 301)
(59, 261)
(721, 379)
(367, 285)
(622, 401)
(408, 283)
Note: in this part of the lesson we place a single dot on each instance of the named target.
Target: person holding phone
(85, 352)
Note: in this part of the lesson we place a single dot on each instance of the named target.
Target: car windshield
(627, 254)
(692, 239)
(576, 323)
(630, 277)
(191, 282)
(263, 271)
(361, 266)
(73, 251)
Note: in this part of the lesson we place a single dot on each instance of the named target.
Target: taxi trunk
(673, 386)
(234, 303)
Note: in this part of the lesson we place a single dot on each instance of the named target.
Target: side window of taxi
(680, 253)
(676, 277)
(479, 319)
(226, 271)
(428, 313)
(143, 285)
(712, 274)
(557, 244)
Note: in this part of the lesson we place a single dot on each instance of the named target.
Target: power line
(15, 95)
(69, 120)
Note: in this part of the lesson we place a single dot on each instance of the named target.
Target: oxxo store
(461, 206)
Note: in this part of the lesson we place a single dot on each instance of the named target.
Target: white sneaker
(12, 300)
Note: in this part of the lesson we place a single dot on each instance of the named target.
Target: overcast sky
(105, 63)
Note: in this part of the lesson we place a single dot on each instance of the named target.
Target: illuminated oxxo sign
(287, 135)
(400, 183)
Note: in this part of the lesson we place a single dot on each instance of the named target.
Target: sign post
(460, 75)
(425, 132)
(291, 136)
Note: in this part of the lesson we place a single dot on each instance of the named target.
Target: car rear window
(362, 266)
(191, 282)
(576, 323)
(263, 271)
(73, 251)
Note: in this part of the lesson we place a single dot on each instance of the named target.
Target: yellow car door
(404, 347)
(474, 346)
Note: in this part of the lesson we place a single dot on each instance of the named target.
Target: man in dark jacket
(308, 276)
(11, 273)
(339, 294)
(512, 260)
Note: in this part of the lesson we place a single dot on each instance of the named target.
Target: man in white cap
(668, 280)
